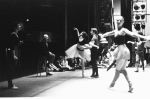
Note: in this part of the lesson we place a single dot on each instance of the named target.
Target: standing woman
(81, 49)
(94, 52)
(11, 54)
(121, 53)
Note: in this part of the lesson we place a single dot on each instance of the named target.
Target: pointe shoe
(111, 85)
(130, 88)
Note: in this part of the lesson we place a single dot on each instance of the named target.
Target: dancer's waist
(79, 49)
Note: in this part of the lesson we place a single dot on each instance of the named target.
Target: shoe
(92, 76)
(111, 85)
(49, 74)
(96, 76)
(13, 87)
(130, 88)
(136, 71)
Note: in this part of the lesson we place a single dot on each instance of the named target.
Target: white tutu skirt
(72, 52)
(121, 52)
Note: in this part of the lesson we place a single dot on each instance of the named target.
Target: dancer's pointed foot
(111, 85)
(130, 88)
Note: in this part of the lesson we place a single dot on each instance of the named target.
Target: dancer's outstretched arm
(131, 42)
(93, 45)
(107, 34)
(133, 34)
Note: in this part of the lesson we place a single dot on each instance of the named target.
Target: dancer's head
(83, 36)
(93, 31)
(119, 21)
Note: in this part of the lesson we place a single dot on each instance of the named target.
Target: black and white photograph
(75, 49)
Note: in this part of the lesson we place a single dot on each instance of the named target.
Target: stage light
(137, 27)
(143, 6)
(27, 19)
(137, 17)
(139, 6)
(142, 17)
(143, 26)
(136, 6)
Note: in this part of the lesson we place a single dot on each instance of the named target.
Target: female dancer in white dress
(81, 49)
(121, 53)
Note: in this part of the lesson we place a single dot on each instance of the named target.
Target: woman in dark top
(94, 52)
(11, 57)
(121, 53)
(81, 49)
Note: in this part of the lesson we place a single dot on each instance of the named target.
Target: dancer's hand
(147, 38)
(75, 28)
(129, 42)
(97, 47)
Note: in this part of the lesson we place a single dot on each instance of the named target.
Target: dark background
(49, 16)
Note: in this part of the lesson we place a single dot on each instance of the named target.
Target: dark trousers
(50, 57)
(11, 64)
(94, 58)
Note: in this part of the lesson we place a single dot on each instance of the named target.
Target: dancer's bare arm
(93, 45)
(131, 42)
(77, 31)
(107, 34)
(133, 34)
(87, 46)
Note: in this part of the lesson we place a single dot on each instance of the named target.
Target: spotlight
(136, 6)
(143, 26)
(137, 17)
(27, 19)
(143, 6)
(142, 17)
(137, 27)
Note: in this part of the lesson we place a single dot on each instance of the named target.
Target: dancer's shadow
(119, 90)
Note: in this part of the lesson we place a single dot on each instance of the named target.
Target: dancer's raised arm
(77, 31)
